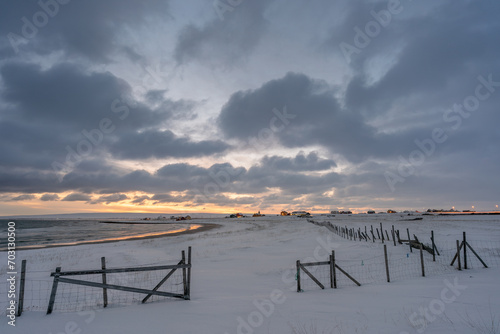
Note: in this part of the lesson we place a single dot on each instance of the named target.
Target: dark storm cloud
(49, 197)
(77, 197)
(439, 56)
(140, 200)
(225, 40)
(113, 198)
(92, 29)
(167, 198)
(47, 110)
(290, 175)
(313, 116)
(259, 179)
(23, 198)
(64, 95)
(393, 93)
(50, 113)
(301, 162)
(162, 144)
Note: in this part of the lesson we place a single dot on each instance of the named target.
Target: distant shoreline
(471, 213)
(200, 228)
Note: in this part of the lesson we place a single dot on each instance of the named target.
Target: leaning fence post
(474, 252)
(386, 264)
(409, 240)
(21, 289)
(382, 232)
(54, 290)
(298, 276)
(422, 259)
(104, 290)
(393, 235)
(458, 255)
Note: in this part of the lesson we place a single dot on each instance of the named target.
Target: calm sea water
(45, 233)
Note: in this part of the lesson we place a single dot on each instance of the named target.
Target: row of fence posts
(351, 234)
(333, 266)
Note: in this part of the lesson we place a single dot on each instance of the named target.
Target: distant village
(305, 214)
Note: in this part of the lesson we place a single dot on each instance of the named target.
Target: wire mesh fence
(403, 262)
(71, 297)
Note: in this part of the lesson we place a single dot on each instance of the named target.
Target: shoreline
(200, 228)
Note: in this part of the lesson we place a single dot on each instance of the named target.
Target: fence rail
(186, 267)
(332, 272)
(80, 290)
(401, 263)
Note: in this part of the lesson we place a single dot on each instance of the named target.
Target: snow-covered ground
(243, 280)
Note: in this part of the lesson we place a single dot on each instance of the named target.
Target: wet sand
(197, 229)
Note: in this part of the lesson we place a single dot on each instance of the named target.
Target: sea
(40, 233)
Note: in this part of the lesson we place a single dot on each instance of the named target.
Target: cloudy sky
(245, 105)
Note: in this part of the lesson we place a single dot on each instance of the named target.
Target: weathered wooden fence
(360, 235)
(183, 264)
(402, 264)
(332, 271)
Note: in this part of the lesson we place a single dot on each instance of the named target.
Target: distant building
(296, 213)
(258, 214)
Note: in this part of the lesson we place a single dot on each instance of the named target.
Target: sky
(229, 106)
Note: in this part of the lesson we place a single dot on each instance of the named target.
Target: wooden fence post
(386, 264)
(21, 289)
(393, 235)
(409, 240)
(433, 247)
(54, 290)
(382, 232)
(347, 274)
(331, 272)
(474, 252)
(334, 271)
(189, 274)
(184, 274)
(422, 259)
(458, 255)
(104, 290)
(298, 276)
(465, 251)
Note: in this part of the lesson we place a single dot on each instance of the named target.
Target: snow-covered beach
(243, 280)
